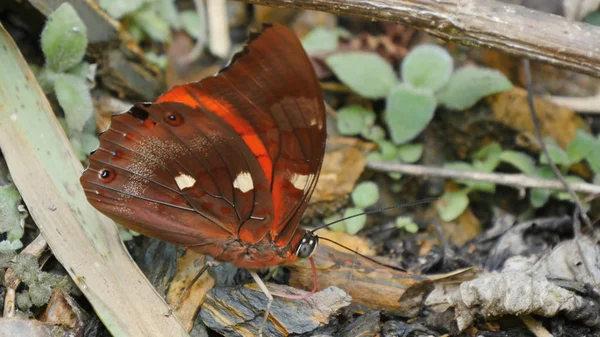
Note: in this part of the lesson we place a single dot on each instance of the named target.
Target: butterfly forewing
(175, 170)
(232, 157)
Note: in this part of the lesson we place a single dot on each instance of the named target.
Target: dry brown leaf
(187, 268)
(344, 162)
(511, 109)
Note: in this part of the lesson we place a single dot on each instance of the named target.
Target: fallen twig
(508, 179)
(510, 28)
(201, 41)
(590, 105)
(538, 132)
(218, 28)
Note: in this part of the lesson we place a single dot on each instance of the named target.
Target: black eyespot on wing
(106, 175)
(139, 112)
(173, 118)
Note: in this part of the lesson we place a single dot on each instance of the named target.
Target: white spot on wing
(300, 180)
(243, 182)
(184, 181)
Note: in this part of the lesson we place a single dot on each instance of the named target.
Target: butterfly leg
(264, 289)
(308, 294)
(187, 288)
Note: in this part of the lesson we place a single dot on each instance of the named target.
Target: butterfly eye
(106, 175)
(173, 118)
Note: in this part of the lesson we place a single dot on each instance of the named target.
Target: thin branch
(513, 29)
(538, 132)
(201, 42)
(507, 179)
(589, 105)
(218, 28)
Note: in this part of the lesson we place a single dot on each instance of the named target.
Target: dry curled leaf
(517, 293)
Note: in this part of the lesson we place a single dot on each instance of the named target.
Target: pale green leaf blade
(408, 111)
(368, 74)
(64, 39)
(470, 84)
(428, 67)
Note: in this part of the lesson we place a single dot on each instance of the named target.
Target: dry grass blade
(46, 171)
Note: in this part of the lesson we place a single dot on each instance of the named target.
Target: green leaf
(136, 32)
(368, 74)
(452, 205)
(520, 160)
(355, 224)
(337, 226)
(320, 40)
(153, 25)
(167, 10)
(470, 84)
(410, 153)
(352, 119)
(373, 133)
(159, 60)
(487, 158)
(10, 216)
(407, 223)
(388, 151)
(375, 156)
(365, 194)
(428, 67)
(594, 159)
(64, 39)
(581, 146)
(472, 184)
(193, 25)
(118, 8)
(407, 112)
(565, 195)
(76, 101)
(89, 143)
(539, 196)
(557, 154)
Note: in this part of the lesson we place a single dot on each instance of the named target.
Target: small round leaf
(320, 40)
(373, 133)
(64, 38)
(352, 119)
(428, 67)
(520, 160)
(118, 8)
(452, 205)
(557, 154)
(368, 74)
(407, 112)
(581, 146)
(153, 25)
(193, 25)
(410, 153)
(76, 101)
(365, 194)
(354, 225)
(470, 84)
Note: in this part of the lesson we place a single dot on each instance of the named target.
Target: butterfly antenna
(364, 256)
(406, 204)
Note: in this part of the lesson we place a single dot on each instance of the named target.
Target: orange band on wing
(220, 108)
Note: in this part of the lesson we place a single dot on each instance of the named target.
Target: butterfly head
(308, 245)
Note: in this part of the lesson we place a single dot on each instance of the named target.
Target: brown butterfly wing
(271, 97)
(180, 174)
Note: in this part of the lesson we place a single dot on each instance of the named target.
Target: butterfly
(224, 166)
